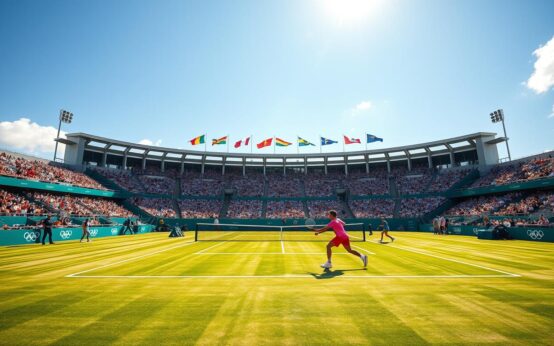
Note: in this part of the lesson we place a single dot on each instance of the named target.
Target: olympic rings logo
(31, 236)
(93, 232)
(66, 234)
(535, 234)
(114, 231)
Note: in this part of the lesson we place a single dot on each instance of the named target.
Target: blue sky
(166, 71)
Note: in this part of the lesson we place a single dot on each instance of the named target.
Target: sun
(348, 11)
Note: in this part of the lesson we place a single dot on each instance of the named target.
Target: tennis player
(384, 228)
(86, 233)
(341, 238)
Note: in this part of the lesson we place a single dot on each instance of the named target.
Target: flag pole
(274, 144)
(228, 139)
(320, 144)
(251, 142)
(366, 141)
(205, 142)
(343, 143)
(297, 145)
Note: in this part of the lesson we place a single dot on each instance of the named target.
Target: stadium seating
(373, 208)
(48, 172)
(245, 209)
(200, 208)
(285, 209)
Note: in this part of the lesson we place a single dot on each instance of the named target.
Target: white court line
(131, 259)
(286, 276)
(218, 244)
(282, 246)
(360, 248)
(268, 253)
(453, 260)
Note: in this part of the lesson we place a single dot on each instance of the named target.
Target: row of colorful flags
(283, 143)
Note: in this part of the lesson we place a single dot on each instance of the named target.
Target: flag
(303, 143)
(197, 140)
(372, 138)
(351, 140)
(222, 140)
(326, 141)
(281, 143)
(244, 142)
(265, 143)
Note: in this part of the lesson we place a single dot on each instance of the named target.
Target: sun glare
(348, 11)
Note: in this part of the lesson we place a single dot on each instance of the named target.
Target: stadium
(375, 221)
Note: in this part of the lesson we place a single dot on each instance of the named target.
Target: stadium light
(496, 117)
(65, 117)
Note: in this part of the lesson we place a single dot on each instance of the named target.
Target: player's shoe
(326, 265)
(392, 239)
(364, 259)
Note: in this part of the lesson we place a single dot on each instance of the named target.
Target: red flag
(265, 143)
(351, 140)
(244, 142)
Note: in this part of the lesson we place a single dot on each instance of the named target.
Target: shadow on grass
(330, 274)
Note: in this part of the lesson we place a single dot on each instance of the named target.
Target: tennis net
(244, 232)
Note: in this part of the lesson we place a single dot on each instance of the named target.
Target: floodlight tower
(65, 117)
(498, 116)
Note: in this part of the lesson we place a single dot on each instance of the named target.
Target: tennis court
(242, 251)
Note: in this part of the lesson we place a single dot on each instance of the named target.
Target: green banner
(31, 236)
(39, 185)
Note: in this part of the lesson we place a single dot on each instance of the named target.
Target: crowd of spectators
(200, 208)
(284, 186)
(318, 184)
(16, 204)
(372, 208)
(481, 205)
(44, 171)
(415, 207)
(444, 180)
(157, 184)
(285, 209)
(377, 183)
(319, 208)
(520, 171)
(159, 207)
(81, 206)
(125, 179)
(245, 209)
(209, 184)
(529, 204)
(414, 182)
(251, 185)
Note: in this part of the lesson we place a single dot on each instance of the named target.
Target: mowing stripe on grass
(453, 260)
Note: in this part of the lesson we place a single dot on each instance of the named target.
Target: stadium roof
(106, 146)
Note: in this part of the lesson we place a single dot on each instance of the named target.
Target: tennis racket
(310, 224)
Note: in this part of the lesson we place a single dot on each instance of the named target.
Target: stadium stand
(285, 209)
(416, 207)
(245, 209)
(200, 208)
(15, 204)
(373, 208)
(523, 170)
(156, 206)
(20, 167)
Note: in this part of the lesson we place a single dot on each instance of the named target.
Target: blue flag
(326, 141)
(372, 138)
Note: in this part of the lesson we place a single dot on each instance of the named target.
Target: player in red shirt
(341, 237)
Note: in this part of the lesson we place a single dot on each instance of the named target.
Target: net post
(363, 231)
(196, 232)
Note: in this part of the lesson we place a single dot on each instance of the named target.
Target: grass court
(249, 288)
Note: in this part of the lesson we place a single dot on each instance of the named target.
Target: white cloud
(29, 136)
(542, 78)
(149, 142)
(363, 106)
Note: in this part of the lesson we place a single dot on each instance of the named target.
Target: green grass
(149, 289)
